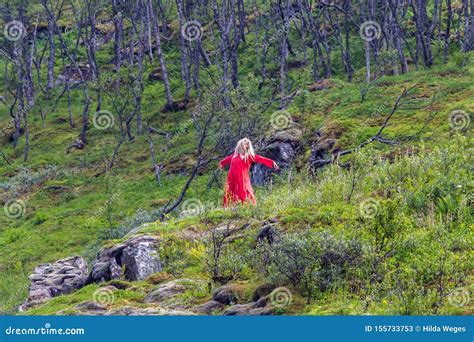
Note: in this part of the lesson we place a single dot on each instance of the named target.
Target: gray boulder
(138, 256)
(262, 291)
(282, 152)
(267, 233)
(105, 269)
(226, 295)
(281, 147)
(51, 280)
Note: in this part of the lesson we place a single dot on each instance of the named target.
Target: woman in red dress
(238, 188)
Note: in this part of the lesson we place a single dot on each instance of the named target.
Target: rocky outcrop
(51, 280)
(104, 269)
(92, 308)
(135, 259)
(140, 258)
(281, 147)
(280, 151)
(131, 311)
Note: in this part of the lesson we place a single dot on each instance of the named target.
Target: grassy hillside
(427, 238)
(411, 253)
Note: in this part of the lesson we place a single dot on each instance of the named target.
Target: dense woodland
(115, 113)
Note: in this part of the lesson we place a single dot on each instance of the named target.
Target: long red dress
(238, 188)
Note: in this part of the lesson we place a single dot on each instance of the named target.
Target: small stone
(262, 291)
(165, 293)
(225, 295)
(262, 302)
(209, 307)
(248, 309)
(90, 306)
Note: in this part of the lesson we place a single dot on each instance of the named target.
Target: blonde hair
(244, 154)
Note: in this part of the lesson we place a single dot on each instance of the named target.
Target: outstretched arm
(225, 161)
(265, 161)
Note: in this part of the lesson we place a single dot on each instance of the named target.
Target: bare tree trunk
(148, 32)
(318, 57)
(397, 33)
(91, 44)
(92, 41)
(264, 61)
(156, 167)
(327, 49)
(283, 54)
(196, 57)
(394, 7)
(203, 53)
(18, 95)
(422, 31)
(26, 148)
(185, 73)
(447, 33)
(28, 83)
(225, 21)
(87, 100)
(159, 53)
(69, 105)
(238, 36)
(347, 56)
(51, 58)
(29, 92)
(367, 61)
(118, 34)
(468, 43)
(138, 88)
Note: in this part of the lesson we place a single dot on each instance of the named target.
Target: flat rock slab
(57, 278)
(249, 309)
(167, 295)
